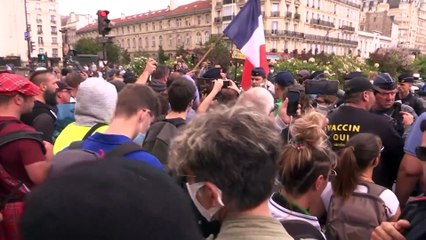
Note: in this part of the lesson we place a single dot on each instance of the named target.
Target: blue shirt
(100, 142)
(414, 138)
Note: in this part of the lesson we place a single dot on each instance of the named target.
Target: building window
(39, 29)
(134, 28)
(40, 41)
(178, 43)
(140, 27)
(153, 26)
(153, 41)
(207, 19)
(160, 41)
(54, 30)
(199, 38)
(38, 18)
(207, 36)
(199, 20)
(170, 40)
(52, 8)
(54, 40)
(160, 25)
(128, 29)
(146, 42)
(54, 52)
(37, 7)
(146, 27)
(307, 16)
(140, 43)
(40, 50)
(134, 43)
(188, 39)
(128, 43)
(228, 11)
(53, 19)
(168, 24)
(275, 10)
(274, 27)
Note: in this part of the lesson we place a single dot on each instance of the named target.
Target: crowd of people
(178, 154)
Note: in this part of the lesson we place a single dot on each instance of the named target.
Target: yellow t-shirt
(72, 133)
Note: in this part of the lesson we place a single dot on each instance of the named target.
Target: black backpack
(415, 213)
(75, 155)
(299, 230)
(159, 136)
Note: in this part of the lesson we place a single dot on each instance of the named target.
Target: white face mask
(206, 213)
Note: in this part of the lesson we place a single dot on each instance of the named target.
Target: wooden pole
(208, 52)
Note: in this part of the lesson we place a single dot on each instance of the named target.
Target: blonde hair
(310, 129)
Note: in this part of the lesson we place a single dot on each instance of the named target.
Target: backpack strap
(373, 189)
(93, 129)
(123, 150)
(177, 123)
(75, 145)
(300, 229)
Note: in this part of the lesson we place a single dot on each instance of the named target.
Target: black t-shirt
(42, 118)
(347, 121)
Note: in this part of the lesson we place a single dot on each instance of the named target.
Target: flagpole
(208, 51)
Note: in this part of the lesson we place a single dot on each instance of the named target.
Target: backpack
(9, 183)
(159, 136)
(415, 213)
(74, 155)
(299, 230)
(357, 216)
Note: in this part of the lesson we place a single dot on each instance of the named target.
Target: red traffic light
(103, 13)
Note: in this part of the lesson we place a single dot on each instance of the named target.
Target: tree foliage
(113, 53)
(392, 60)
(162, 57)
(87, 46)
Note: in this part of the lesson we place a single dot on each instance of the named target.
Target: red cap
(10, 84)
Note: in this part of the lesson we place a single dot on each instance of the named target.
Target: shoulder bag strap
(123, 150)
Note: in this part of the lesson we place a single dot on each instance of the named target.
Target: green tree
(162, 57)
(181, 51)
(87, 46)
(220, 53)
(420, 65)
(113, 53)
(125, 57)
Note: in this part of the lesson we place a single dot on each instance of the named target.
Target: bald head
(258, 98)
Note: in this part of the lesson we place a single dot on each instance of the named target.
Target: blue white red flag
(246, 32)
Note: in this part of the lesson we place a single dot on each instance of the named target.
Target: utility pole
(27, 35)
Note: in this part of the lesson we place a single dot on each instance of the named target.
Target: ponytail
(348, 173)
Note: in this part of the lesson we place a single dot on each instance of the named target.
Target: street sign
(26, 36)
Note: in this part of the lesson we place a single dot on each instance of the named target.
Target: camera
(322, 87)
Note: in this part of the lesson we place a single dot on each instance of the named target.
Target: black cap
(384, 81)
(284, 79)
(316, 75)
(62, 86)
(351, 75)
(406, 78)
(356, 85)
(258, 72)
(213, 73)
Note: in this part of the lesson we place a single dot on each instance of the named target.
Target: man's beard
(50, 97)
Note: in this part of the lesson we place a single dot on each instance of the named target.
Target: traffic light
(103, 22)
(41, 57)
(32, 46)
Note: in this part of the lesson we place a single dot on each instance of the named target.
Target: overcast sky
(116, 7)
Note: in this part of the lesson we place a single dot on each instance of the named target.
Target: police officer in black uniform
(402, 116)
(354, 117)
(405, 82)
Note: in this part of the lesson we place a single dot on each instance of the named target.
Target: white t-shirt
(388, 197)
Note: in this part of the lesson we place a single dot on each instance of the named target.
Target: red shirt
(17, 154)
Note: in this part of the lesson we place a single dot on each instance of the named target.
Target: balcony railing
(283, 33)
(288, 15)
(297, 16)
(330, 39)
(54, 33)
(347, 28)
(322, 23)
(275, 14)
(355, 5)
(227, 18)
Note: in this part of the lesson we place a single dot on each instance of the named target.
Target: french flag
(246, 32)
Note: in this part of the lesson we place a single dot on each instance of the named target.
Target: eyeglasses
(381, 149)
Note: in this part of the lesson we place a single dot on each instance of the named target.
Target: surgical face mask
(206, 213)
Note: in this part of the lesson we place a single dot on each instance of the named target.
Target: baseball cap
(384, 81)
(258, 72)
(62, 86)
(317, 74)
(356, 85)
(405, 78)
(303, 73)
(212, 73)
(284, 79)
(351, 75)
(10, 84)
